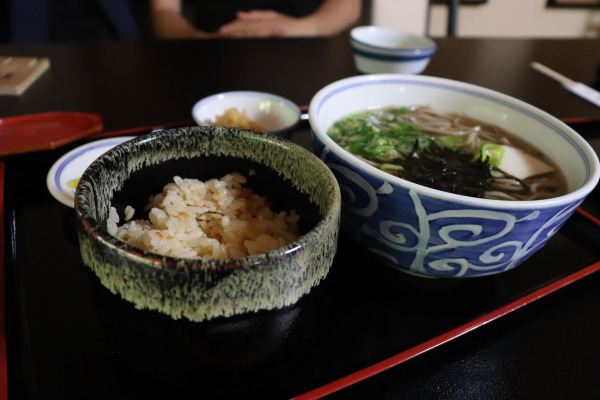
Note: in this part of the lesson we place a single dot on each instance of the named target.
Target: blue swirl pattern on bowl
(429, 236)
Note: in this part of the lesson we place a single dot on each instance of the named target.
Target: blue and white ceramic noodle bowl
(429, 232)
(386, 50)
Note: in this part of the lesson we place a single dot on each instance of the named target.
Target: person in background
(41, 21)
(260, 18)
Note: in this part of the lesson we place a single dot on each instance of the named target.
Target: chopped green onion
(492, 153)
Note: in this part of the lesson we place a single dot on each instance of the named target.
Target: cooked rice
(215, 219)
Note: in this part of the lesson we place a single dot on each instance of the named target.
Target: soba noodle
(443, 151)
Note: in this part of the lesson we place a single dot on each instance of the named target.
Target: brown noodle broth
(476, 132)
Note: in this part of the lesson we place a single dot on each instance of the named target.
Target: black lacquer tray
(67, 337)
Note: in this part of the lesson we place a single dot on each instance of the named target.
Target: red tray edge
(3, 357)
(408, 354)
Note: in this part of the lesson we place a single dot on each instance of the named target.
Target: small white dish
(65, 172)
(275, 113)
(386, 50)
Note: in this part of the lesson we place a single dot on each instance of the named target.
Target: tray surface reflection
(68, 336)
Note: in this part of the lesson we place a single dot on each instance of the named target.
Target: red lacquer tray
(65, 336)
(45, 131)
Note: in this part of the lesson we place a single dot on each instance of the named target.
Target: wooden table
(140, 83)
(530, 333)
